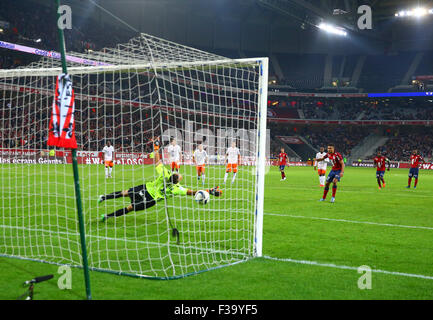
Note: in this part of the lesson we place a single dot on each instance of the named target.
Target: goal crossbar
(29, 72)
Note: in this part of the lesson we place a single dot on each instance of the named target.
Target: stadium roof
(261, 25)
(382, 9)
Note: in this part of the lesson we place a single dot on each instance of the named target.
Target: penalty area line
(350, 221)
(408, 193)
(335, 266)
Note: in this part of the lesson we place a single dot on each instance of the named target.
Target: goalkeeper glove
(217, 192)
(156, 145)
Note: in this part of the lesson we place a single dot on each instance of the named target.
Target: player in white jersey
(108, 159)
(175, 154)
(321, 166)
(233, 158)
(200, 159)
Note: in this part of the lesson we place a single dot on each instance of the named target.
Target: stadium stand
(355, 108)
(404, 140)
(344, 137)
(426, 65)
(301, 72)
(26, 29)
(382, 72)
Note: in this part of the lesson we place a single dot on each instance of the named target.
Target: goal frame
(263, 69)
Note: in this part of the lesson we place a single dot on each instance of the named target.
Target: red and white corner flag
(62, 125)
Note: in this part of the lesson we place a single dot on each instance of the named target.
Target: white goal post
(149, 88)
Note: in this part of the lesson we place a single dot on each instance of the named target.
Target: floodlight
(332, 29)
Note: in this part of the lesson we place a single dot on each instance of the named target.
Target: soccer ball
(202, 197)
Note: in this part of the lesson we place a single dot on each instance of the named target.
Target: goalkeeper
(147, 195)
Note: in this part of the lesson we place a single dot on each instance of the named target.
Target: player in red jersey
(282, 162)
(380, 162)
(336, 173)
(415, 161)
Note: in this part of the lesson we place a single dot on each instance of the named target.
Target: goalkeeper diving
(147, 195)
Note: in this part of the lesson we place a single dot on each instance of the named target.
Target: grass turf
(387, 230)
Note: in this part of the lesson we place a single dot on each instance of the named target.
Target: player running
(415, 161)
(233, 158)
(381, 162)
(175, 154)
(335, 174)
(200, 159)
(147, 195)
(321, 166)
(108, 151)
(282, 162)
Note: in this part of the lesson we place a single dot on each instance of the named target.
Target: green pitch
(312, 249)
(39, 221)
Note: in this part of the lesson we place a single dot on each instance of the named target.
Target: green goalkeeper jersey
(156, 187)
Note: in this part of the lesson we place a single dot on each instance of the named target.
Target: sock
(106, 172)
(409, 182)
(383, 181)
(322, 180)
(118, 213)
(109, 171)
(325, 192)
(225, 177)
(204, 178)
(283, 175)
(113, 195)
(198, 178)
(378, 182)
(334, 191)
(234, 177)
(416, 182)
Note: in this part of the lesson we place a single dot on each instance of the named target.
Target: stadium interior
(334, 80)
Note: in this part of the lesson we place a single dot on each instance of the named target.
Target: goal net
(128, 96)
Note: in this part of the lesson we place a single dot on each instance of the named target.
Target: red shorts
(200, 169)
(109, 163)
(175, 165)
(321, 172)
(231, 166)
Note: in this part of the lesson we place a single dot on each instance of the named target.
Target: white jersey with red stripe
(233, 155)
(321, 165)
(200, 157)
(108, 153)
(174, 153)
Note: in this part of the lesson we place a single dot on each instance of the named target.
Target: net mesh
(147, 88)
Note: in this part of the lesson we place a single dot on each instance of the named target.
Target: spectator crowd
(21, 125)
(401, 144)
(30, 28)
(354, 108)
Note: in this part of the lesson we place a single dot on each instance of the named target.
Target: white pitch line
(351, 221)
(335, 266)
(306, 262)
(156, 244)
